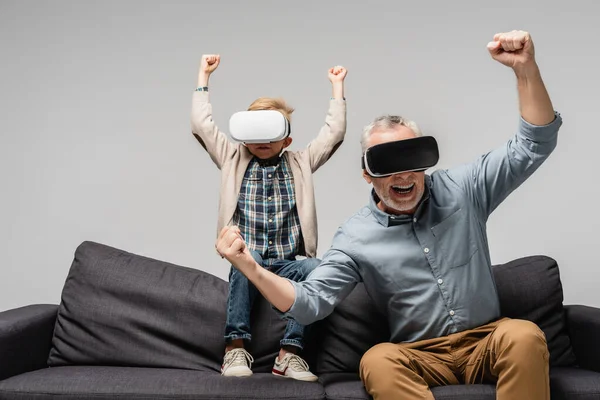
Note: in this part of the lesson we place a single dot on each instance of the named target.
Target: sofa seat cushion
(347, 386)
(574, 384)
(109, 383)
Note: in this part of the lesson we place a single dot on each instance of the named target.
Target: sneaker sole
(238, 374)
(307, 379)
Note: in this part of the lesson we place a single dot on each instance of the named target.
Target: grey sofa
(130, 327)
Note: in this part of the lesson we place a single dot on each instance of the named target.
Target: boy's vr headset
(259, 126)
(391, 158)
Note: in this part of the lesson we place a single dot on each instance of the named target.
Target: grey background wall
(95, 100)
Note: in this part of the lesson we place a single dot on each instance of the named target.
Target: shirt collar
(269, 162)
(386, 219)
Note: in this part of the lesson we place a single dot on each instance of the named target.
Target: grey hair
(387, 122)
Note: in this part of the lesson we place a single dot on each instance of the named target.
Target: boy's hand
(337, 74)
(231, 245)
(209, 63)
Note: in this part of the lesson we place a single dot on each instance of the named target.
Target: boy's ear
(287, 141)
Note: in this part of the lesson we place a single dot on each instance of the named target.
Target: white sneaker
(292, 366)
(237, 362)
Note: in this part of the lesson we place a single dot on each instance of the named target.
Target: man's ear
(367, 177)
(286, 142)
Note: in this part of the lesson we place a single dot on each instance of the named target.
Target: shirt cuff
(291, 313)
(541, 133)
(200, 96)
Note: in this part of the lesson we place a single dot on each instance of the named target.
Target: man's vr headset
(259, 126)
(391, 158)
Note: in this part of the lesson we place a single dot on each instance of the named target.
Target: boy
(268, 193)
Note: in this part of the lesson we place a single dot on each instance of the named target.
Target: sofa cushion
(122, 309)
(109, 383)
(574, 384)
(347, 386)
(530, 288)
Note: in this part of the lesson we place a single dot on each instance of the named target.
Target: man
(268, 192)
(420, 247)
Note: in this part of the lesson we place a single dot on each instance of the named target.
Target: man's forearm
(277, 290)
(534, 101)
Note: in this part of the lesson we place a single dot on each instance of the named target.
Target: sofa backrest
(118, 308)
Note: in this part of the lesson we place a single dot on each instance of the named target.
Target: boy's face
(268, 150)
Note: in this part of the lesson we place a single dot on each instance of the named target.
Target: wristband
(202, 89)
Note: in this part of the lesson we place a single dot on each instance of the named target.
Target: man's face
(268, 150)
(399, 193)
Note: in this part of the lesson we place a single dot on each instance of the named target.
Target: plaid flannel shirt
(266, 211)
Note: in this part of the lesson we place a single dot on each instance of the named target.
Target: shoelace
(297, 363)
(238, 357)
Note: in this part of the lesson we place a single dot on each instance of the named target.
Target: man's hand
(336, 76)
(231, 245)
(208, 64)
(513, 49)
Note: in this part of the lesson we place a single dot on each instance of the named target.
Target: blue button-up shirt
(430, 272)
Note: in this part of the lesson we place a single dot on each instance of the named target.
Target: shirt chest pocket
(454, 238)
(252, 188)
(283, 187)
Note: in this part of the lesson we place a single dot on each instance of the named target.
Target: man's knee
(520, 334)
(381, 355)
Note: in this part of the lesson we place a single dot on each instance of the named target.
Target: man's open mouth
(403, 189)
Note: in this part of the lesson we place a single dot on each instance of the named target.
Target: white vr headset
(259, 126)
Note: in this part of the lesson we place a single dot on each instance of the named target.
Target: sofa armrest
(583, 323)
(25, 338)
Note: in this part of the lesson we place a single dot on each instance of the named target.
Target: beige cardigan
(233, 159)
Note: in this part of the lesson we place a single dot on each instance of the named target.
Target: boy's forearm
(338, 90)
(203, 79)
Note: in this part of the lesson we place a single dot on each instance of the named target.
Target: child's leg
(239, 305)
(297, 271)
(289, 364)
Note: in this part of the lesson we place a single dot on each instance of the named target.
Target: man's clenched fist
(513, 49)
(209, 63)
(231, 245)
(337, 74)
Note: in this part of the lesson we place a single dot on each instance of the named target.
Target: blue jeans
(242, 294)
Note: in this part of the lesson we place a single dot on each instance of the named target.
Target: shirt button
(451, 312)
(426, 249)
(270, 220)
(440, 281)
(269, 175)
(269, 198)
(270, 242)
(414, 220)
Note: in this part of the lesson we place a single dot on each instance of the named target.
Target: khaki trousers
(509, 352)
